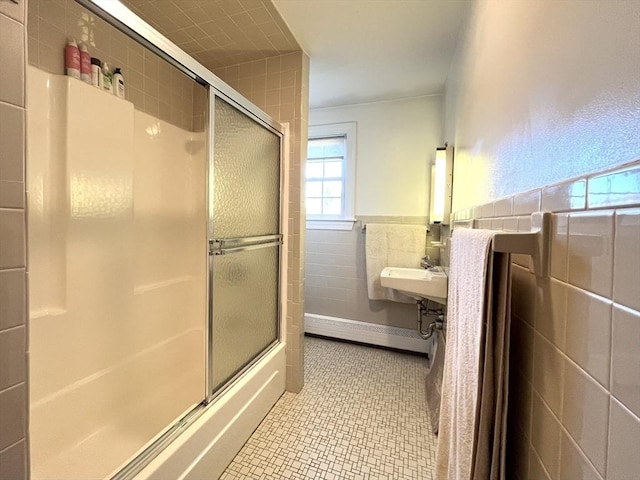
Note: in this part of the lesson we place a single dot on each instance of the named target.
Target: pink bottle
(72, 59)
(85, 64)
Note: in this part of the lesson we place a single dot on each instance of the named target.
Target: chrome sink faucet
(425, 262)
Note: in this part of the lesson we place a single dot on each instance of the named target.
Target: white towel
(473, 405)
(392, 245)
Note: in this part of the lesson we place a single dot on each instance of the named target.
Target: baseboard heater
(370, 333)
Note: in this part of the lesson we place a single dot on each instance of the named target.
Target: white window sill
(330, 224)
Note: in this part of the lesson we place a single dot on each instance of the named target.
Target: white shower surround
(212, 440)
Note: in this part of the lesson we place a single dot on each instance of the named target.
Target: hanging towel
(392, 245)
(472, 426)
(434, 378)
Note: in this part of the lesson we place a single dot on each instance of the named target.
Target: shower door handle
(225, 246)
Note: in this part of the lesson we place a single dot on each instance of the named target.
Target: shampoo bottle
(85, 64)
(107, 78)
(96, 72)
(118, 83)
(72, 59)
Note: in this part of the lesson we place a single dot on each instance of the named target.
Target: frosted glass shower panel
(245, 239)
(246, 200)
(245, 299)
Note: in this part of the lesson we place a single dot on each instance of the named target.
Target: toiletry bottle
(85, 64)
(72, 59)
(96, 72)
(107, 78)
(118, 83)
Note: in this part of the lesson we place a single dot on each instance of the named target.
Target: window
(330, 176)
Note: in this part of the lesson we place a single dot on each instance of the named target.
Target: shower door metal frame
(211, 394)
(120, 17)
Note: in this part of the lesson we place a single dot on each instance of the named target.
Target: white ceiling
(371, 50)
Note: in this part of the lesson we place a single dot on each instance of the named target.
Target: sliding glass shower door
(118, 268)
(244, 241)
(154, 246)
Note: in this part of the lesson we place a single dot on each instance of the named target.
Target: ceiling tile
(219, 32)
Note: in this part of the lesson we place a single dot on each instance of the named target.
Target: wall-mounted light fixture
(441, 185)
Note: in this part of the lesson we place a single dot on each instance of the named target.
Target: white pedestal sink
(417, 283)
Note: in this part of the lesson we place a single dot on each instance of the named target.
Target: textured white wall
(397, 141)
(542, 91)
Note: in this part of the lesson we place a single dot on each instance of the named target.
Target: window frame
(346, 220)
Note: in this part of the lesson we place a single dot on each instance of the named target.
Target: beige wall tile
(12, 298)
(12, 61)
(548, 373)
(52, 22)
(12, 243)
(523, 294)
(522, 347)
(465, 214)
(527, 202)
(625, 358)
(33, 46)
(463, 224)
(591, 251)
(32, 13)
(483, 223)
(12, 233)
(545, 436)
(559, 242)
(497, 224)
(503, 207)
(13, 410)
(336, 281)
(12, 357)
(14, 10)
(551, 310)
(13, 462)
(486, 211)
(624, 439)
(521, 260)
(52, 34)
(585, 413)
(566, 196)
(597, 348)
(54, 12)
(626, 266)
(617, 188)
(524, 223)
(510, 224)
(11, 194)
(50, 58)
(11, 143)
(588, 336)
(520, 402)
(536, 469)
(573, 463)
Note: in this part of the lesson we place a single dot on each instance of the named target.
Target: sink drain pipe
(434, 318)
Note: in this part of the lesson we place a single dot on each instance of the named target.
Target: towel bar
(535, 243)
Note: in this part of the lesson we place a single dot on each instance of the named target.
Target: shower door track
(174, 431)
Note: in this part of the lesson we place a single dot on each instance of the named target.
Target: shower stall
(155, 265)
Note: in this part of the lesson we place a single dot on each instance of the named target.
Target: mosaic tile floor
(361, 415)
